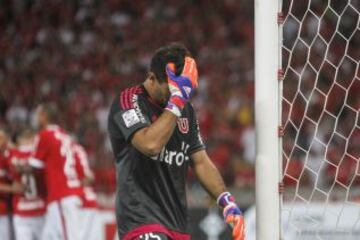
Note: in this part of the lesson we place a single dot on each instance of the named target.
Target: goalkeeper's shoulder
(128, 97)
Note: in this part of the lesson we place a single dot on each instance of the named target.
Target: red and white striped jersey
(83, 170)
(33, 201)
(54, 153)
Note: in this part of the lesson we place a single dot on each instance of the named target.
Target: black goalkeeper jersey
(150, 190)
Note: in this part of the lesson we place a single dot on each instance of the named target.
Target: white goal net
(320, 119)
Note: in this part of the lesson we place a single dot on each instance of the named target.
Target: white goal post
(267, 119)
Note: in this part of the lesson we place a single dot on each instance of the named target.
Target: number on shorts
(150, 236)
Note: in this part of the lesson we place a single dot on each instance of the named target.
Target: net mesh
(320, 118)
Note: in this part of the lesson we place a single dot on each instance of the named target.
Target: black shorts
(152, 236)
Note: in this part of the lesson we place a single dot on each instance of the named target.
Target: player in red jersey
(89, 208)
(28, 207)
(6, 188)
(53, 152)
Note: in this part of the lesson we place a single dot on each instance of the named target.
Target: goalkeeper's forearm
(207, 174)
(152, 139)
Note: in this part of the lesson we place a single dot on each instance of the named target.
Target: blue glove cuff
(225, 199)
(173, 109)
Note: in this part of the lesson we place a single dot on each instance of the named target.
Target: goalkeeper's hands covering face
(181, 86)
(232, 215)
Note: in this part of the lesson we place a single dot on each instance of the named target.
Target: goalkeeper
(155, 139)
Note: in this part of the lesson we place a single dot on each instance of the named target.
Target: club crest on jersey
(183, 125)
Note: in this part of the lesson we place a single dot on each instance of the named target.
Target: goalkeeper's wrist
(173, 109)
(224, 199)
(175, 105)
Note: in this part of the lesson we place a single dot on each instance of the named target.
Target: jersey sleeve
(195, 139)
(130, 120)
(82, 163)
(41, 151)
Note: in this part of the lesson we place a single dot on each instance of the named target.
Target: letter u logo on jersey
(183, 125)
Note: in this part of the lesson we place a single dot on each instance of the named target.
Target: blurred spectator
(80, 53)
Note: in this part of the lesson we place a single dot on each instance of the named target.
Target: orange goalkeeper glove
(181, 86)
(232, 215)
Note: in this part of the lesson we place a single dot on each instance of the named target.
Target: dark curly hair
(174, 53)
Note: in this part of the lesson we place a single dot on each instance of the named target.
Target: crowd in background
(81, 53)
(321, 99)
